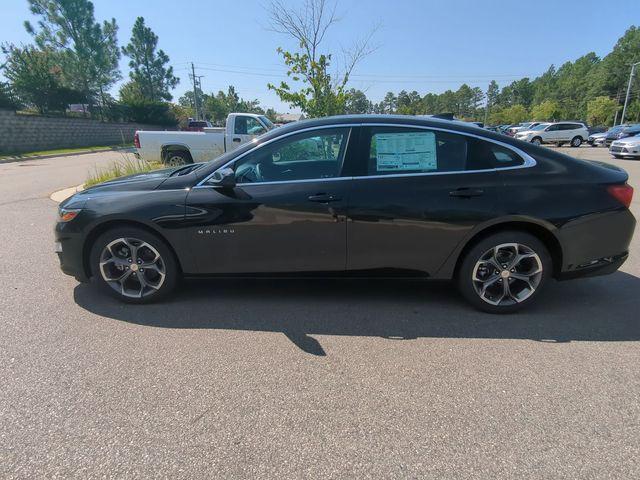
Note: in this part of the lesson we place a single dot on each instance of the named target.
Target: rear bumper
(595, 244)
(603, 266)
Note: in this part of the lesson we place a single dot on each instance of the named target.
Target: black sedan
(357, 196)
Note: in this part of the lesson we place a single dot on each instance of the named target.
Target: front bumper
(624, 150)
(68, 247)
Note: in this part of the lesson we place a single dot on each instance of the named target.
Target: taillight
(136, 140)
(622, 193)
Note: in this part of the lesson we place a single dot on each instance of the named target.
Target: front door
(286, 214)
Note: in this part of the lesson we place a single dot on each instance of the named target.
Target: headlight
(67, 214)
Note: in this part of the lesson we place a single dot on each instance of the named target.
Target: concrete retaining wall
(29, 133)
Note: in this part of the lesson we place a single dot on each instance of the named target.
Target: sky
(423, 45)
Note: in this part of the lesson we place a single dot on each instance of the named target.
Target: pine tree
(149, 69)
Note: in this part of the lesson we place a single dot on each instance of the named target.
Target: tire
(109, 260)
(521, 292)
(536, 141)
(576, 141)
(559, 144)
(617, 156)
(177, 159)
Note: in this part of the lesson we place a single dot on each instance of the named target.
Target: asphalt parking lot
(314, 379)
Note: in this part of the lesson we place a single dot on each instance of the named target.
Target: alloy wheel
(507, 274)
(132, 267)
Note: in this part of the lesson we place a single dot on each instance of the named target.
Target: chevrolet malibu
(364, 196)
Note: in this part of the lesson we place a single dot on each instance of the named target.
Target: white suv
(559, 133)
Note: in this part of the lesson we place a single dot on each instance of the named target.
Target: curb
(53, 155)
(65, 193)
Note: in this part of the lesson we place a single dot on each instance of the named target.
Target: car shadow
(596, 309)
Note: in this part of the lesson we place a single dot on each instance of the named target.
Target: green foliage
(139, 108)
(319, 96)
(149, 68)
(512, 114)
(601, 110)
(546, 111)
(125, 166)
(215, 108)
(89, 50)
(7, 97)
(37, 78)
(357, 102)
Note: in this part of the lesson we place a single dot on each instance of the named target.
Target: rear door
(417, 194)
(287, 212)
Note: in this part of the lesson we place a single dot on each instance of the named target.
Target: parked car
(181, 148)
(404, 196)
(612, 133)
(626, 147)
(523, 127)
(597, 139)
(597, 129)
(558, 132)
(622, 132)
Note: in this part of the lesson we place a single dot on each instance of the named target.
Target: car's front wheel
(504, 272)
(133, 265)
(536, 141)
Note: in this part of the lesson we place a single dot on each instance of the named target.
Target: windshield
(267, 122)
(542, 126)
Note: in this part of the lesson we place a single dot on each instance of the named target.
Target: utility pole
(195, 91)
(626, 99)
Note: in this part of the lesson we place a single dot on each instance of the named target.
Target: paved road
(305, 379)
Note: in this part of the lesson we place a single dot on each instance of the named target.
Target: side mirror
(225, 178)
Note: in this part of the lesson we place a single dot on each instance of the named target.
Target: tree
(149, 67)
(321, 93)
(141, 109)
(547, 110)
(601, 110)
(89, 50)
(509, 115)
(357, 102)
(36, 77)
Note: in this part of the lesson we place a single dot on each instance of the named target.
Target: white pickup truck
(180, 148)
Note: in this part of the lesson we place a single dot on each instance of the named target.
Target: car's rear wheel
(576, 141)
(536, 141)
(504, 272)
(133, 265)
(177, 159)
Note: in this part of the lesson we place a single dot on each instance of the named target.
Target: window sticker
(406, 151)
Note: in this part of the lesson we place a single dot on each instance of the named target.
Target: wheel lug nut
(139, 262)
(129, 260)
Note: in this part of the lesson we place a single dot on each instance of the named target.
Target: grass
(61, 151)
(127, 165)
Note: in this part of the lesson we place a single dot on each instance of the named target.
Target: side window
(312, 155)
(485, 154)
(248, 126)
(553, 128)
(403, 150)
